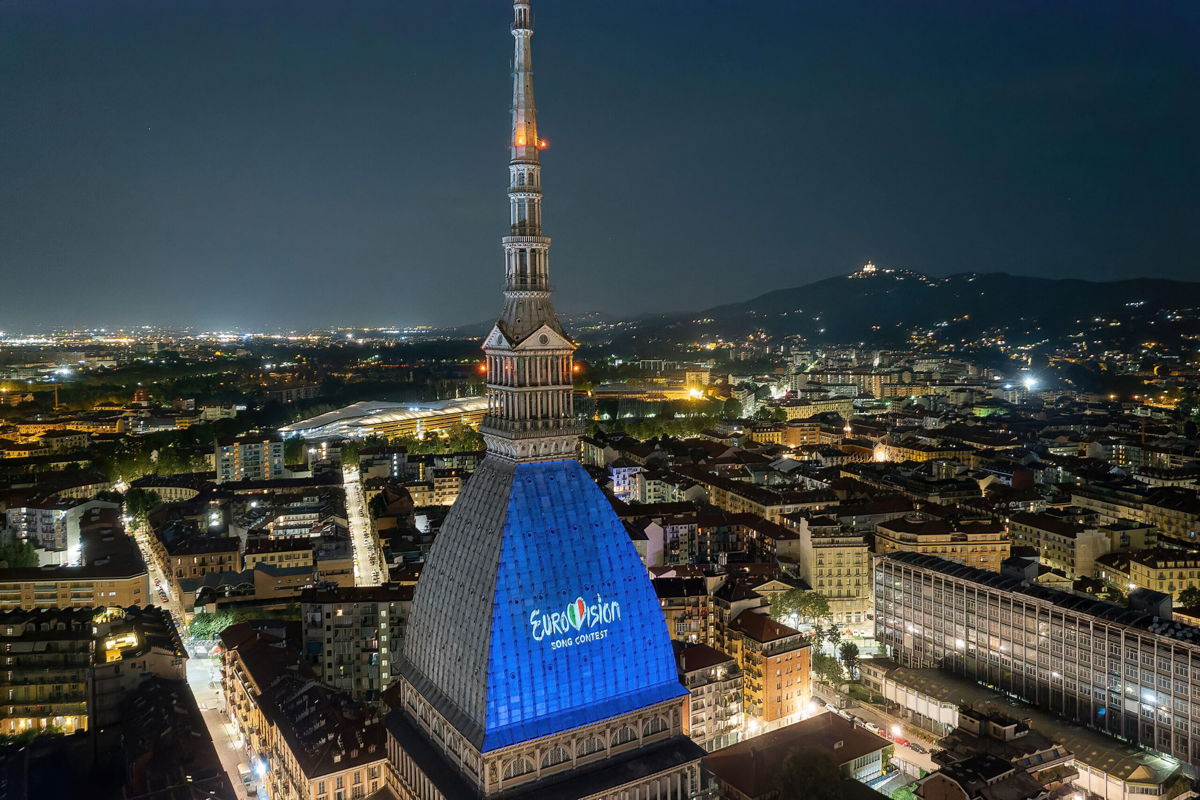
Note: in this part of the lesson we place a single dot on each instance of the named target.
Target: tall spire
(529, 357)
(533, 598)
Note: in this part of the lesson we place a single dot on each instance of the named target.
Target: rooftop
(751, 766)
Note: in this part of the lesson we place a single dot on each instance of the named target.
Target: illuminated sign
(577, 614)
(576, 634)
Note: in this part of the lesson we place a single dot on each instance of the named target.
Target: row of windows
(558, 755)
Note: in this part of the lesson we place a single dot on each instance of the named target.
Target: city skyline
(889, 534)
(1035, 141)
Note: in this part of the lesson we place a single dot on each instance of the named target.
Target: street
(203, 672)
(368, 557)
(204, 677)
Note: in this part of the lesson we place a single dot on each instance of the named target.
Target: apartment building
(70, 668)
(741, 497)
(802, 433)
(352, 635)
(1174, 512)
(836, 563)
(291, 551)
(982, 544)
(316, 743)
(109, 572)
(916, 449)
(447, 483)
(776, 663)
(249, 458)
(1164, 570)
(1130, 672)
(1073, 547)
(687, 608)
(712, 715)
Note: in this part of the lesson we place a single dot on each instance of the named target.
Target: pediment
(545, 338)
(496, 339)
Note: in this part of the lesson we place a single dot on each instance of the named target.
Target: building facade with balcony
(776, 663)
(712, 715)
(352, 634)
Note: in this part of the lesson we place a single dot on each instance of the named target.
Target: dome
(534, 613)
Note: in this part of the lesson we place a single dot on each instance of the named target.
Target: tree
(140, 502)
(18, 554)
(806, 605)
(1189, 597)
(206, 625)
(827, 669)
(810, 773)
(28, 735)
(849, 653)
(733, 409)
(818, 635)
(833, 635)
(770, 414)
(294, 449)
(463, 439)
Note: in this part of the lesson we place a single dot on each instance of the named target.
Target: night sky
(252, 163)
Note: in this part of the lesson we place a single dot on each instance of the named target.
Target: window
(654, 726)
(556, 755)
(518, 767)
(624, 735)
(591, 745)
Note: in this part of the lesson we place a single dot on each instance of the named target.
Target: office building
(1131, 672)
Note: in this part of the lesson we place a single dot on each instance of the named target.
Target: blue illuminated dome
(534, 613)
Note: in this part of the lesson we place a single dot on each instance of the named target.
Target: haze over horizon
(302, 163)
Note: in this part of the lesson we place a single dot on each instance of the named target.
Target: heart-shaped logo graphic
(576, 612)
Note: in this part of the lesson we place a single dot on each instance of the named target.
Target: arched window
(556, 755)
(518, 767)
(652, 726)
(626, 734)
(591, 745)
